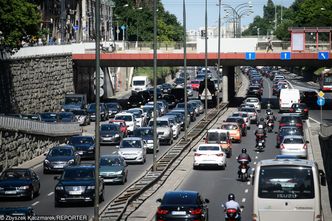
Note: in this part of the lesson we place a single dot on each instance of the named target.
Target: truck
(73, 102)
(211, 92)
(140, 83)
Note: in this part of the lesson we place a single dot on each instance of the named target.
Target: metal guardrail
(39, 128)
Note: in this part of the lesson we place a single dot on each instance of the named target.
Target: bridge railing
(40, 128)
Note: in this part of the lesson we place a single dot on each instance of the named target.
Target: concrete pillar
(231, 83)
(225, 73)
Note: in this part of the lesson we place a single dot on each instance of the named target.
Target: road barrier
(39, 128)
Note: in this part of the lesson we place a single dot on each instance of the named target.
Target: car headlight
(71, 161)
(1, 188)
(91, 147)
(24, 187)
(91, 187)
(118, 173)
(59, 188)
(46, 162)
(62, 109)
(116, 135)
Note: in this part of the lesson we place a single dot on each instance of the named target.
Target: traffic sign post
(101, 82)
(321, 102)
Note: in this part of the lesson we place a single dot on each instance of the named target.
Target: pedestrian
(269, 45)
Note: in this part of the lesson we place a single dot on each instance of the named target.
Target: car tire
(195, 167)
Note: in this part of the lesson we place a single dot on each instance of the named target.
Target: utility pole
(218, 66)
(206, 58)
(185, 69)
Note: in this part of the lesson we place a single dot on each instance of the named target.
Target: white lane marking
(255, 163)
(314, 120)
(243, 200)
(256, 157)
(246, 190)
(248, 183)
(35, 203)
(50, 194)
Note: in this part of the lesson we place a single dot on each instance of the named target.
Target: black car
(146, 133)
(67, 117)
(136, 100)
(179, 81)
(159, 93)
(291, 120)
(84, 146)
(110, 134)
(190, 108)
(300, 108)
(182, 205)
(49, 117)
(103, 111)
(170, 99)
(60, 157)
(77, 185)
(255, 91)
(113, 108)
(287, 130)
(19, 183)
(22, 213)
(166, 88)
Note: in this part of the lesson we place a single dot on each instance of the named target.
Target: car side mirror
(56, 177)
(322, 177)
(194, 150)
(158, 200)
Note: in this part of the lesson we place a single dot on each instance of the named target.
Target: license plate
(58, 166)
(298, 111)
(75, 192)
(243, 170)
(179, 213)
(10, 192)
(260, 144)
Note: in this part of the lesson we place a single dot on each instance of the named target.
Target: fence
(39, 128)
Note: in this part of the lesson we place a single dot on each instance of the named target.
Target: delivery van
(140, 83)
(287, 98)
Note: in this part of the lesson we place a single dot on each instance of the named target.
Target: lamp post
(139, 8)
(154, 166)
(218, 66)
(206, 60)
(185, 69)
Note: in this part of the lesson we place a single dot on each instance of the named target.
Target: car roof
(132, 138)
(63, 146)
(124, 113)
(293, 136)
(297, 162)
(86, 166)
(217, 130)
(228, 123)
(178, 192)
(143, 128)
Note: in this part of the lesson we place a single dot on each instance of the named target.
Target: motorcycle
(231, 214)
(243, 171)
(260, 144)
(260, 137)
(270, 126)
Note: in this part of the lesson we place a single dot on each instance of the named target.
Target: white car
(255, 101)
(132, 149)
(294, 145)
(252, 112)
(140, 117)
(176, 128)
(129, 118)
(245, 117)
(209, 155)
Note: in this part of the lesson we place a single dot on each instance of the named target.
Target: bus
(287, 189)
(325, 81)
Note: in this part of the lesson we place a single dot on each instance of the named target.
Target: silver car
(251, 112)
(176, 127)
(132, 149)
(294, 145)
(164, 130)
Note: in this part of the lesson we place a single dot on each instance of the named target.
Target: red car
(123, 126)
(195, 84)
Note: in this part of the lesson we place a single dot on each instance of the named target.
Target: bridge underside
(198, 59)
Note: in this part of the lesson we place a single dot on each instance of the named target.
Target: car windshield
(123, 117)
(143, 132)
(252, 100)
(78, 174)
(209, 148)
(195, 82)
(229, 127)
(81, 140)
(248, 110)
(136, 113)
(73, 100)
(57, 152)
(131, 144)
(293, 141)
(110, 161)
(108, 127)
(79, 112)
(139, 83)
(286, 182)
(179, 80)
(15, 174)
(65, 115)
(112, 106)
(160, 123)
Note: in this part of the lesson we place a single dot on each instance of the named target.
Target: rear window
(292, 140)
(286, 182)
(209, 148)
(229, 127)
(290, 119)
(213, 136)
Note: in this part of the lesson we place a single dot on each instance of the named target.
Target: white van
(287, 98)
(140, 83)
(287, 189)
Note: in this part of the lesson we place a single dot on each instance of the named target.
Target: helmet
(260, 126)
(231, 196)
(244, 150)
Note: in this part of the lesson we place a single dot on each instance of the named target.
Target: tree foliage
(18, 18)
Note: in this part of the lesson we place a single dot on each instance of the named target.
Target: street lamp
(185, 69)
(139, 8)
(154, 165)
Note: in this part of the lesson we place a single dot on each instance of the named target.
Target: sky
(195, 10)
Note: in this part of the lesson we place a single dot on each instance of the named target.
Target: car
(19, 183)
(136, 100)
(182, 205)
(35, 117)
(103, 111)
(255, 91)
(113, 108)
(139, 115)
(294, 145)
(17, 213)
(176, 127)
(221, 137)
(146, 133)
(209, 155)
(84, 146)
(251, 112)
(151, 92)
(166, 88)
(122, 125)
(180, 118)
(67, 117)
(161, 105)
(179, 82)
(170, 99)
(59, 157)
(245, 117)
(133, 150)
(242, 124)
(49, 117)
(190, 108)
(82, 117)
(291, 120)
(287, 130)
(199, 104)
(77, 185)
(179, 94)
(110, 134)
(234, 131)
(129, 118)
(164, 130)
(113, 169)
(255, 101)
(300, 108)
(190, 91)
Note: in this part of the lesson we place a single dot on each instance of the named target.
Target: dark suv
(77, 184)
(300, 108)
(291, 120)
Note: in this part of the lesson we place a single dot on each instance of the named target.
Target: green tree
(18, 18)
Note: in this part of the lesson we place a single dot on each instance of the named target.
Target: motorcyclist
(260, 131)
(243, 158)
(261, 122)
(232, 204)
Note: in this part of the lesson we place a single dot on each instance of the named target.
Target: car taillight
(219, 154)
(161, 211)
(197, 154)
(282, 146)
(305, 146)
(197, 211)
(291, 110)
(298, 125)
(305, 110)
(282, 124)
(243, 125)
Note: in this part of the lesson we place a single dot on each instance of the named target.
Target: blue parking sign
(323, 55)
(250, 55)
(285, 56)
(321, 101)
